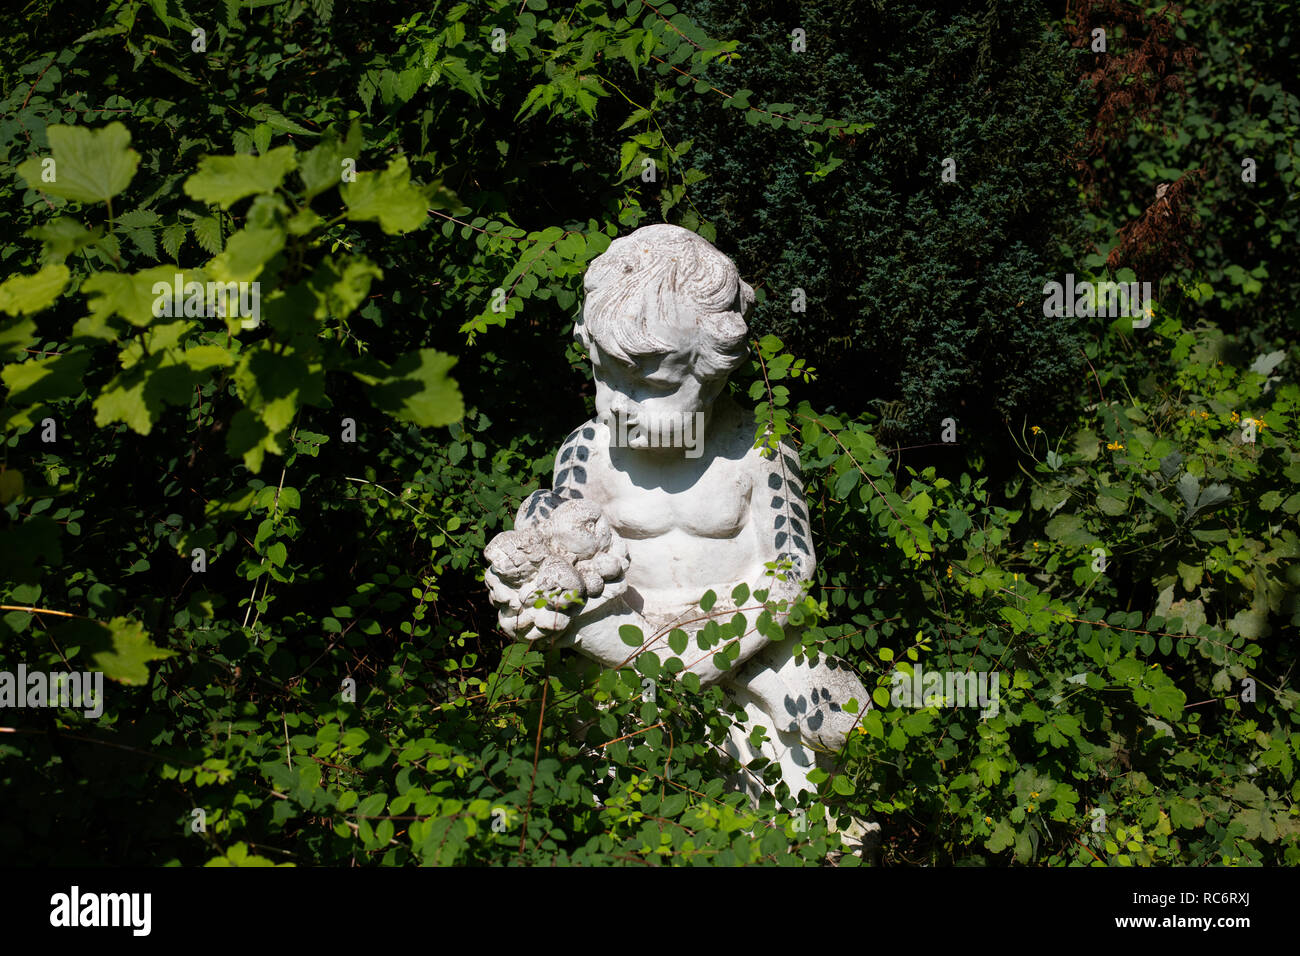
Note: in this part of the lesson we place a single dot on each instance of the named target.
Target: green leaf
(1186, 814)
(16, 334)
(630, 635)
(45, 379)
(64, 236)
(1213, 495)
(173, 236)
(129, 295)
(224, 180)
(207, 233)
(674, 804)
(340, 293)
(24, 295)
(1002, 837)
(89, 165)
(1167, 701)
(127, 661)
(246, 252)
(138, 219)
(417, 389)
(709, 599)
(387, 197)
(322, 167)
(1126, 669)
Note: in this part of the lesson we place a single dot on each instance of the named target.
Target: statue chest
(714, 506)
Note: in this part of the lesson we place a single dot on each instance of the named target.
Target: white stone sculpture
(663, 496)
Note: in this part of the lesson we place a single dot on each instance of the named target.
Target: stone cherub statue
(663, 496)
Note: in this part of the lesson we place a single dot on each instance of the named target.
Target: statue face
(653, 402)
(664, 323)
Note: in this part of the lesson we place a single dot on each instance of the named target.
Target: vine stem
(537, 750)
(37, 610)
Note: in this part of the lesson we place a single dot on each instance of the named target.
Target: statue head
(664, 323)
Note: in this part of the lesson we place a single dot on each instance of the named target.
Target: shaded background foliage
(933, 285)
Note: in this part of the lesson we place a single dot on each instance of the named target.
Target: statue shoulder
(581, 455)
(782, 461)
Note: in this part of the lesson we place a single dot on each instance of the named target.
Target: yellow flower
(1034, 793)
(1236, 417)
(1205, 414)
(1035, 429)
(1035, 545)
(950, 570)
(1115, 446)
(1030, 808)
(988, 819)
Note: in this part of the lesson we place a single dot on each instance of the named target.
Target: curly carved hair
(635, 290)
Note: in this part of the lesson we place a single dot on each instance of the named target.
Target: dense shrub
(933, 285)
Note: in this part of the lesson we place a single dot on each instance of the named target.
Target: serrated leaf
(173, 236)
(417, 389)
(387, 197)
(144, 240)
(246, 253)
(367, 87)
(89, 165)
(25, 295)
(322, 166)
(64, 236)
(273, 119)
(138, 219)
(207, 233)
(127, 662)
(129, 295)
(224, 180)
(45, 379)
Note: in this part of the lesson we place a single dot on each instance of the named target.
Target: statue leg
(784, 747)
(802, 707)
(801, 697)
